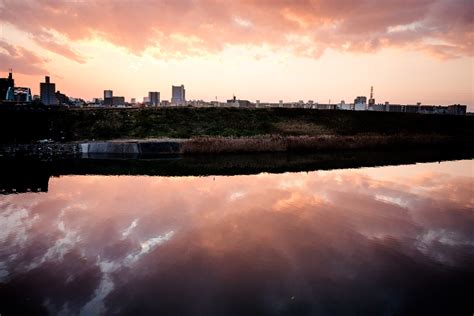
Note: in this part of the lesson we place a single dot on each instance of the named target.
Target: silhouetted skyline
(420, 51)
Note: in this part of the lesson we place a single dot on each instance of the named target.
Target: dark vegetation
(19, 125)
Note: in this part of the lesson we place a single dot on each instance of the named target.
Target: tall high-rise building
(48, 92)
(108, 94)
(178, 94)
(153, 98)
(6, 83)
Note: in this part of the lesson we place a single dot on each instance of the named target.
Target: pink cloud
(441, 27)
(47, 42)
(21, 59)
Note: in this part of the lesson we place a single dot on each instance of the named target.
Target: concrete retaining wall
(131, 148)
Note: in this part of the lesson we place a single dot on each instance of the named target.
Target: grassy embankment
(257, 129)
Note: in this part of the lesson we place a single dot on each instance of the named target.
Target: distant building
(48, 92)
(22, 94)
(360, 103)
(433, 109)
(457, 109)
(325, 106)
(114, 101)
(108, 94)
(6, 83)
(239, 103)
(395, 108)
(343, 106)
(427, 109)
(77, 102)
(178, 95)
(153, 98)
(245, 103)
(111, 100)
(133, 100)
(62, 98)
(412, 108)
(377, 107)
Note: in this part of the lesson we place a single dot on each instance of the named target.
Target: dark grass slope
(28, 125)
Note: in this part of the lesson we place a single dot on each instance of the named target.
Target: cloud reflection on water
(368, 241)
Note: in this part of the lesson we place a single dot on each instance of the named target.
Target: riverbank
(226, 145)
(24, 126)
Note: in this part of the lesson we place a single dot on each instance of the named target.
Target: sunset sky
(409, 50)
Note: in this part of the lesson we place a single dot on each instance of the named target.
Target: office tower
(153, 98)
(48, 92)
(178, 94)
(6, 83)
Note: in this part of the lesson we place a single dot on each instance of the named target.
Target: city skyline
(48, 96)
(270, 50)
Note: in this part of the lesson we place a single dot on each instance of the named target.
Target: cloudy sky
(409, 50)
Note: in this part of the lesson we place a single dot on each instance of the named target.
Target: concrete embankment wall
(216, 145)
(131, 148)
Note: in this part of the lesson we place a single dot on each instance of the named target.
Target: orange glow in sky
(269, 50)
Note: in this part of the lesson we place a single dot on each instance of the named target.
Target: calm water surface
(385, 241)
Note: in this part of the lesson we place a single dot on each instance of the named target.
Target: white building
(360, 103)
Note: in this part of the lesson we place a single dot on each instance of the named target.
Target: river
(390, 240)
